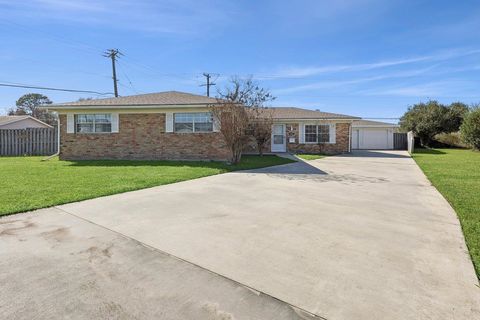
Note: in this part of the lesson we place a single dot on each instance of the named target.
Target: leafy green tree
(429, 119)
(470, 129)
(455, 115)
(29, 104)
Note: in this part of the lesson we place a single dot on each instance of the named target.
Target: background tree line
(29, 104)
(430, 120)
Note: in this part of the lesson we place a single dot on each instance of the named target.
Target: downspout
(58, 141)
(350, 137)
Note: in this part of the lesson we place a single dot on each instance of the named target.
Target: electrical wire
(3, 84)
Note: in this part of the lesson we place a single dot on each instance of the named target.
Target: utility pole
(112, 54)
(208, 84)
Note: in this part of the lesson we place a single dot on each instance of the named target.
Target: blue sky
(369, 58)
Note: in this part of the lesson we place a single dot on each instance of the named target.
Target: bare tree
(246, 92)
(261, 121)
(234, 123)
(243, 102)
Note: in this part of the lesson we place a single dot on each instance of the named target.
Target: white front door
(278, 138)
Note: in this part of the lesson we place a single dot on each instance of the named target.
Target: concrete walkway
(351, 237)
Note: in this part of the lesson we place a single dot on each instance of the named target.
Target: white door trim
(279, 147)
(356, 139)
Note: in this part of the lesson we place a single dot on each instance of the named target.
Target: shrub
(470, 129)
(453, 139)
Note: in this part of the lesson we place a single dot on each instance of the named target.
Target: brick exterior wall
(142, 137)
(293, 131)
(340, 146)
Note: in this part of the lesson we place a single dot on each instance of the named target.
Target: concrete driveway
(350, 237)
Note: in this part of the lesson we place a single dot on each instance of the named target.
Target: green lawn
(28, 183)
(307, 156)
(456, 174)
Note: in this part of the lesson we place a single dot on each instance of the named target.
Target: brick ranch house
(177, 125)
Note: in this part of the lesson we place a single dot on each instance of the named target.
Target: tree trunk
(236, 154)
(425, 141)
(260, 149)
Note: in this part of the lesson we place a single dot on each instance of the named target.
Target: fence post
(411, 142)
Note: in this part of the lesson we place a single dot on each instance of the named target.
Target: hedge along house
(177, 125)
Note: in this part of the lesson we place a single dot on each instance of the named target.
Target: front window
(317, 133)
(193, 122)
(90, 123)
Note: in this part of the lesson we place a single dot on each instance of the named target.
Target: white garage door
(372, 138)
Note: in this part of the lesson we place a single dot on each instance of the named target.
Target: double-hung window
(317, 133)
(193, 122)
(93, 123)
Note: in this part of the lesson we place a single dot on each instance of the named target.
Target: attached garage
(373, 135)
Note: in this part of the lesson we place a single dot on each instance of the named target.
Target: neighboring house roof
(305, 114)
(7, 120)
(369, 123)
(149, 99)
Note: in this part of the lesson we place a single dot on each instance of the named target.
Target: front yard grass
(310, 156)
(456, 174)
(27, 183)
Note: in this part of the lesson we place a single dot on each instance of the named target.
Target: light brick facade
(141, 136)
(142, 127)
(341, 144)
(342, 133)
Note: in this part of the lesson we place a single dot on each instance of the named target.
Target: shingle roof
(298, 113)
(9, 119)
(370, 123)
(182, 98)
(159, 98)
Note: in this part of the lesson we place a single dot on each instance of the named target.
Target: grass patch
(456, 174)
(310, 156)
(27, 183)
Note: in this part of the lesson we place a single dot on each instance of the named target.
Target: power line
(75, 43)
(381, 118)
(52, 89)
(123, 71)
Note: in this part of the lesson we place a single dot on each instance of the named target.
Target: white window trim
(318, 124)
(112, 127)
(193, 123)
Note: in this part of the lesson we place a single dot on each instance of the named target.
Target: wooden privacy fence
(400, 141)
(28, 142)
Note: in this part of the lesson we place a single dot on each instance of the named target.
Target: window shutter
(70, 123)
(169, 122)
(115, 121)
(301, 133)
(216, 124)
(333, 133)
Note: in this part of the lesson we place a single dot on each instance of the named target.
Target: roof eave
(376, 126)
(316, 119)
(125, 106)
